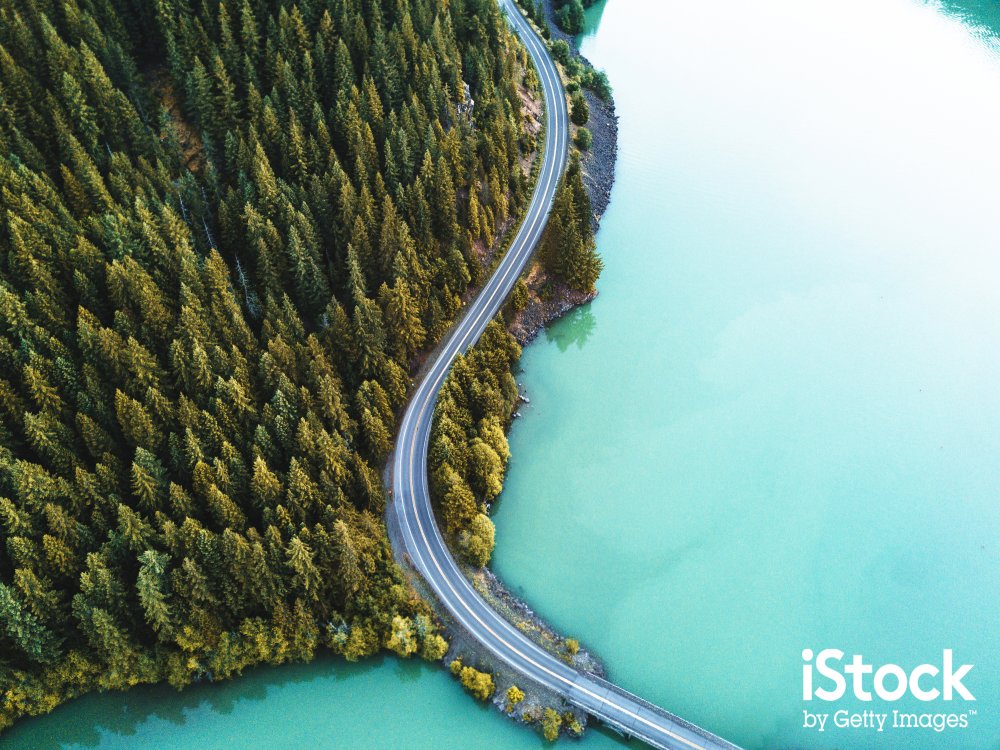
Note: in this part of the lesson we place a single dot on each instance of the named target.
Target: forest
(229, 229)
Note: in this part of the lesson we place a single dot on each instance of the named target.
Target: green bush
(597, 81)
(560, 51)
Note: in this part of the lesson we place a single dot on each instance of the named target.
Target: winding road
(413, 518)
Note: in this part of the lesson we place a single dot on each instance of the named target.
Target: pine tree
(568, 248)
(444, 210)
(150, 587)
(406, 331)
(24, 631)
(300, 560)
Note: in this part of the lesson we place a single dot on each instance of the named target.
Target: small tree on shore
(514, 696)
(434, 647)
(551, 724)
(479, 684)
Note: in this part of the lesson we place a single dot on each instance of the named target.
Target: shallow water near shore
(776, 428)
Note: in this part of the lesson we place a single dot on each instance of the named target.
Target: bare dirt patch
(192, 148)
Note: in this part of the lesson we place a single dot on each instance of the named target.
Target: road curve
(411, 513)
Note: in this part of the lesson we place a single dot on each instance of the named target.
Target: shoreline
(599, 164)
(600, 160)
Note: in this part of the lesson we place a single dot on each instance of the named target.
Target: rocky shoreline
(599, 161)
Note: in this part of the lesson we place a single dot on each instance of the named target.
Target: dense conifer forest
(228, 229)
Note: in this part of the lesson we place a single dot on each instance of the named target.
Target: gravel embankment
(599, 161)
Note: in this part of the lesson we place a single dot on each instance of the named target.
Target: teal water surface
(778, 427)
(385, 703)
(775, 429)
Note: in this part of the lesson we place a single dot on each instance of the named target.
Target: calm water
(775, 429)
(779, 425)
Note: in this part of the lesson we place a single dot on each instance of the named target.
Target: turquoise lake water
(775, 429)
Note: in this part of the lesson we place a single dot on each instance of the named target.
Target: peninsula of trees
(228, 228)
(469, 452)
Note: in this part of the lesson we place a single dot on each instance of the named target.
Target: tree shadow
(574, 329)
(611, 734)
(88, 720)
(593, 16)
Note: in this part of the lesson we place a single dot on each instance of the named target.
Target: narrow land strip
(412, 510)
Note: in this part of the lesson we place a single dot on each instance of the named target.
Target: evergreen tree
(568, 249)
